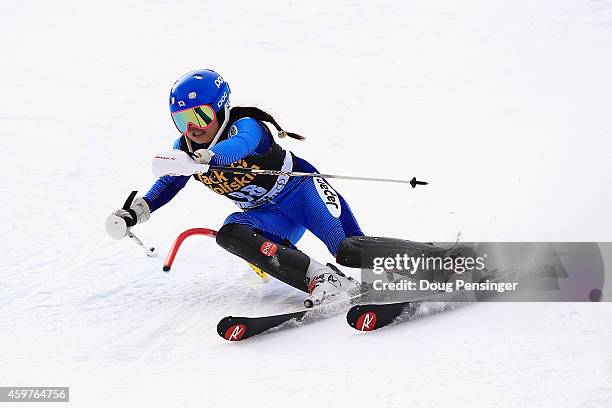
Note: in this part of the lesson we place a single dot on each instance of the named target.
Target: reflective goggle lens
(200, 116)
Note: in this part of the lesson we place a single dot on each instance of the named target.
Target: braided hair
(238, 112)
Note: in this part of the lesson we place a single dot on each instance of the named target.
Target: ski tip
(231, 330)
(361, 319)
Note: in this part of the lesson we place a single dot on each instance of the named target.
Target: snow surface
(505, 107)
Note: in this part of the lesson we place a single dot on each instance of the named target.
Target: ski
(233, 328)
(236, 328)
(370, 317)
(374, 316)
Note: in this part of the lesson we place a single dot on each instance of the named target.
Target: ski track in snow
(504, 107)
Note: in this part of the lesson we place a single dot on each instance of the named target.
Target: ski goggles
(199, 116)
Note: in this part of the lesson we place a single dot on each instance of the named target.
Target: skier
(276, 210)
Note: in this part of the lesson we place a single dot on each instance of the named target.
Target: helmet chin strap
(188, 141)
(222, 127)
(217, 135)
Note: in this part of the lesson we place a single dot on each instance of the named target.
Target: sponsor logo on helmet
(222, 100)
(172, 100)
(233, 131)
(268, 248)
(235, 332)
(219, 81)
(329, 196)
(366, 321)
(192, 95)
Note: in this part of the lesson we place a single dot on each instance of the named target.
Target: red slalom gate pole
(179, 240)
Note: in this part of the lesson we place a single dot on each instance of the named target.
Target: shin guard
(282, 262)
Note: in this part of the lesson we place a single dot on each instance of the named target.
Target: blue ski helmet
(201, 88)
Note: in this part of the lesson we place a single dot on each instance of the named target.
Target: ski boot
(327, 282)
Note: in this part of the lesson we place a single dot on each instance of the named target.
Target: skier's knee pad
(360, 251)
(283, 262)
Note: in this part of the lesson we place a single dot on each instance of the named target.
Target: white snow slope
(505, 107)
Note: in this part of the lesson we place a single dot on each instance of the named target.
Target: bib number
(248, 193)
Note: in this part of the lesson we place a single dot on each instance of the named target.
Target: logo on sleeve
(329, 196)
(233, 131)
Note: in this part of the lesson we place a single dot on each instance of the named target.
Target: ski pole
(179, 163)
(249, 170)
(150, 251)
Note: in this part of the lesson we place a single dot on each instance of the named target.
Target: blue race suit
(279, 207)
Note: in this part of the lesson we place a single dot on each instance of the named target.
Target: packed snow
(504, 107)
